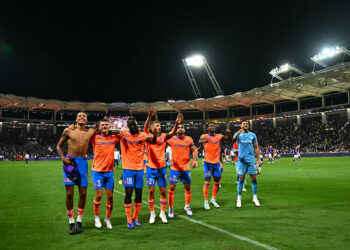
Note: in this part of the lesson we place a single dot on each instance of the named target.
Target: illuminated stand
(199, 61)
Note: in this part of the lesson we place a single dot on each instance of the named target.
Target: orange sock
(171, 198)
(206, 189)
(137, 208)
(188, 195)
(70, 213)
(163, 204)
(97, 207)
(109, 209)
(151, 205)
(81, 211)
(215, 189)
(128, 212)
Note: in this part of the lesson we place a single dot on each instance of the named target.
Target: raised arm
(151, 113)
(194, 151)
(234, 139)
(59, 149)
(178, 121)
(257, 152)
(227, 135)
(152, 140)
(202, 140)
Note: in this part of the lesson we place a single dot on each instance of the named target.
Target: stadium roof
(329, 80)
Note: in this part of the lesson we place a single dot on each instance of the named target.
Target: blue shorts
(211, 169)
(244, 168)
(156, 175)
(82, 179)
(185, 176)
(103, 180)
(133, 178)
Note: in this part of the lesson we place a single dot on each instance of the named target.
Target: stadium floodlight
(328, 53)
(196, 61)
(283, 69)
(199, 61)
(279, 70)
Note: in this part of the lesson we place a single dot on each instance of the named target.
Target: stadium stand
(312, 110)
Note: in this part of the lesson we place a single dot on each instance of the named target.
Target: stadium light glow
(281, 69)
(327, 53)
(196, 61)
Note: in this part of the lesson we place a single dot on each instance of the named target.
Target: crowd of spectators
(313, 136)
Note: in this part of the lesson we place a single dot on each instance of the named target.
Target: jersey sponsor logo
(105, 143)
(246, 141)
(214, 142)
(181, 146)
(133, 142)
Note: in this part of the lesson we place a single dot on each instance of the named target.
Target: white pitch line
(217, 229)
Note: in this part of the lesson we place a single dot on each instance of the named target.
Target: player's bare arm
(257, 152)
(234, 139)
(152, 140)
(202, 140)
(227, 135)
(178, 121)
(194, 151)
(151, 113)
(59, 149)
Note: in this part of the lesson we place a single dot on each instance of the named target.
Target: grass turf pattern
(303, 206)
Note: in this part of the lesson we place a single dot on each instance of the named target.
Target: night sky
(134, 52)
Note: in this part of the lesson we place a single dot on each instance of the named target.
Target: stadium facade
(321, 90)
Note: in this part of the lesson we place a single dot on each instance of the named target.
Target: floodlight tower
(283, 69)
(195, 61)
(199, 61)
(328, 53)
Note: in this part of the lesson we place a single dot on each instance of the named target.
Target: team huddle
(145, 151)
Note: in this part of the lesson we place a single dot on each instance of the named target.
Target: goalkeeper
(247, 144)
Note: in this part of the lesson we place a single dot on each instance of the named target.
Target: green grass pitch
(304, 206)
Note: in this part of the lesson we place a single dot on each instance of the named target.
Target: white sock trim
(80, 218)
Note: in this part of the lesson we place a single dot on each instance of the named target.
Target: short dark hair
(103, 120)
(210, 123)
(132, 120)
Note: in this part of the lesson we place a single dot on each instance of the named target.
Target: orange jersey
(212, 148)
(180, 148)
(103, 152)
(156, 152)
(132, 147)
